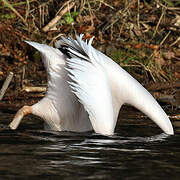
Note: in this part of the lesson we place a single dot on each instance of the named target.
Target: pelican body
(86, 90)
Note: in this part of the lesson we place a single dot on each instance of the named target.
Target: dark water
(138, 150)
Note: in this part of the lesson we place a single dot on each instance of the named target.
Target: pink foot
(25, 110)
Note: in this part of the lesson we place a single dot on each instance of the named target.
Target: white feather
(93, 90)
(60, 107)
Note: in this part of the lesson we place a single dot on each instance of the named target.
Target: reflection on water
(138, 150)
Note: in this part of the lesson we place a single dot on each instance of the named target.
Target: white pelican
(86, 90)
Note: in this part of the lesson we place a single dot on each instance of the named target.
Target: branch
(34, 89)
(5, 85)
(58, 17)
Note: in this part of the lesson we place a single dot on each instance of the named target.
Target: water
(138, 150)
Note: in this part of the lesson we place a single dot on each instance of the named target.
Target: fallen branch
(53, 22)
(5, 85)
(34, 89)
(174, 117)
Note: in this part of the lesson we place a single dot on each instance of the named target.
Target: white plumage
(86, 90)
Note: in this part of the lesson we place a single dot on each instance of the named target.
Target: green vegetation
(7, 16)
(69, 18)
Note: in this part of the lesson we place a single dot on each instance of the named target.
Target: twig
(174, 116)
(6, 3)
(66, 3)
(120, 31)
(52, 41)
(18, 3)
(90, 12)
(34, 89)
(116, 17)
(169, 8)
(106, 4)
(165, 38)
(178, 39)
(138, 14)
(23, 75)
(5, 85)
(27, 9)
(157, 26)
(58, 17)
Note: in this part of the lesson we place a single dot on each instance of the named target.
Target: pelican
(86, 90)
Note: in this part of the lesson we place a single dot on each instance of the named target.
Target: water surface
(138, 150)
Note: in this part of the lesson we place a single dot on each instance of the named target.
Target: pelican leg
(25, 110)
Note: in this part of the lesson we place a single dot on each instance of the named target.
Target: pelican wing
(51, 57)
(60, 107)
(90, 84)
